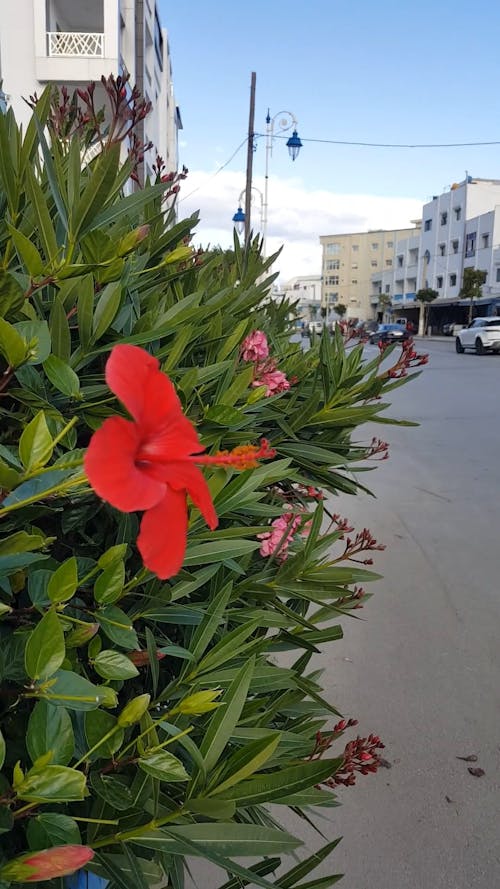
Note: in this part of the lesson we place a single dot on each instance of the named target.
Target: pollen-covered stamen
(242, 457)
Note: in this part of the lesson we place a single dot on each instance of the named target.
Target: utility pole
(248, 189)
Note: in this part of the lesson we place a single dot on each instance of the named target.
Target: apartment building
(348, 263)
(73, 42)
(306, 290)
(460, 229)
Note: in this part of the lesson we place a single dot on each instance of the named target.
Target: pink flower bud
(46, 865)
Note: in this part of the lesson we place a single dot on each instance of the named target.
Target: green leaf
(50, 730)
(109, 585)
(52, 829)
(112, 790)
(85, 310)
(12, 345)
(305, 867)
(227, 648)
(27, 252)
(97, 725)
(224, 415)
(37, 336)
(62, 376)
(245, 762)
(45, 649)
(112, 664)
(218, 810)
(74, 692)
(63, 582)
(224, 720)
(42, 216)
(11, 294)
(96, 191)
(127, 206)
(164, 766)
(35, 444)
(238, 840)
(106, 309)
(59, 331)
(265, 788)
(113, 554)
(217, 551)
(9, 477)
(117, 626)
(22, 542)
(6, 819)
(205, 632)
(56, 784)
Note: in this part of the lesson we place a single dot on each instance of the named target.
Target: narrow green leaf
(85, 310)
(208, 627)
(27, 252)
(224, 720)
(227, 648)
(264, 788)
(42, 216)
(59, 330)
(96, 192)
(106, 309)
(305, 867)
(245, 762)
(238, 840)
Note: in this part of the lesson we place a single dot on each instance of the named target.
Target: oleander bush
(146, 712)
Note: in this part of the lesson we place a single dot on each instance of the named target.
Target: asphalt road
(422, 668)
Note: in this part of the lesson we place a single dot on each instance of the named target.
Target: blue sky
(358, 71)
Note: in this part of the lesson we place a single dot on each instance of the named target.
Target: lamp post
(239, 217)
(286, 121)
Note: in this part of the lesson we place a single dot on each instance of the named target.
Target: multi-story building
(460, 229)
(72, 42)
(350, 260)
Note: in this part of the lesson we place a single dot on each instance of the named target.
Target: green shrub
(152, 719)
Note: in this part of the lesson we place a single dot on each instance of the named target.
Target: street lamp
(239, 217)
(286, 122)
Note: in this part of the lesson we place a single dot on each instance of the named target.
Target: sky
(350, 71)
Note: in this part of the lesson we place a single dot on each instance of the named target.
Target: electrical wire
(218, 170)
(388, 144)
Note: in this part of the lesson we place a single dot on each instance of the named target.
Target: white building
(73, 42)
(306, 289)
(460, 229)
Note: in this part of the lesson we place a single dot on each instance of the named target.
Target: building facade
(69, 42)
(460, 229)
(306, 290)
(348, 264)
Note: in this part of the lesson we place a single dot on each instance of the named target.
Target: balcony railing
(75, 43)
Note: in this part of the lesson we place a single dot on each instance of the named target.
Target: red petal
(183, 475)
(59, 861)
(163, 535)
(111, 470)
(136, 379)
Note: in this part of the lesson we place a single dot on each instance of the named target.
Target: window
(374, 263)
(444, 218)
(332, 279)
(453, 280)
(158, 41)
(389, 244)
(332, 297)
(454, 245)
(354, 265)
(375, 246)
(400, 261)
(458, 212)
(442, 249)
(332, 248)
(388, 262)
(427, 225)
(332, 265)
(486, 240)
(439, 282)
(387, 288)
(355, 247)
(470, 244)
(354, 281)
(498, 275)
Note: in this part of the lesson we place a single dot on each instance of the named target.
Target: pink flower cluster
(255, 348)
(277, 541)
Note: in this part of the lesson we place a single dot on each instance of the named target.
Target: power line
(390, 144)
(218, 170)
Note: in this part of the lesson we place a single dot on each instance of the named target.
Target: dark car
(389, 333)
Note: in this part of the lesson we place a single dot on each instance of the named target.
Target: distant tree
(472, 283)
(426, 296)
(340, 309)
(324, 311)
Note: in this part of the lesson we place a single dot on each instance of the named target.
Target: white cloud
(296, 216)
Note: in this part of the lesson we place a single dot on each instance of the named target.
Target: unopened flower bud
(133, 711)
(180, 254)
(199, 703)
(131, 240)
(47, 864)
(81, 635)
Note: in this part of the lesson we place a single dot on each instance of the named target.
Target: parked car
(482, 335)
(389, 333)
(316, 326)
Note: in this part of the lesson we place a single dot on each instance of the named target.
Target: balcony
(83, 44)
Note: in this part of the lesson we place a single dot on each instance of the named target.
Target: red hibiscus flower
(150, 463)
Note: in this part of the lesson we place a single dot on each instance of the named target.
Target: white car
(482, 335)
(316, 326)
